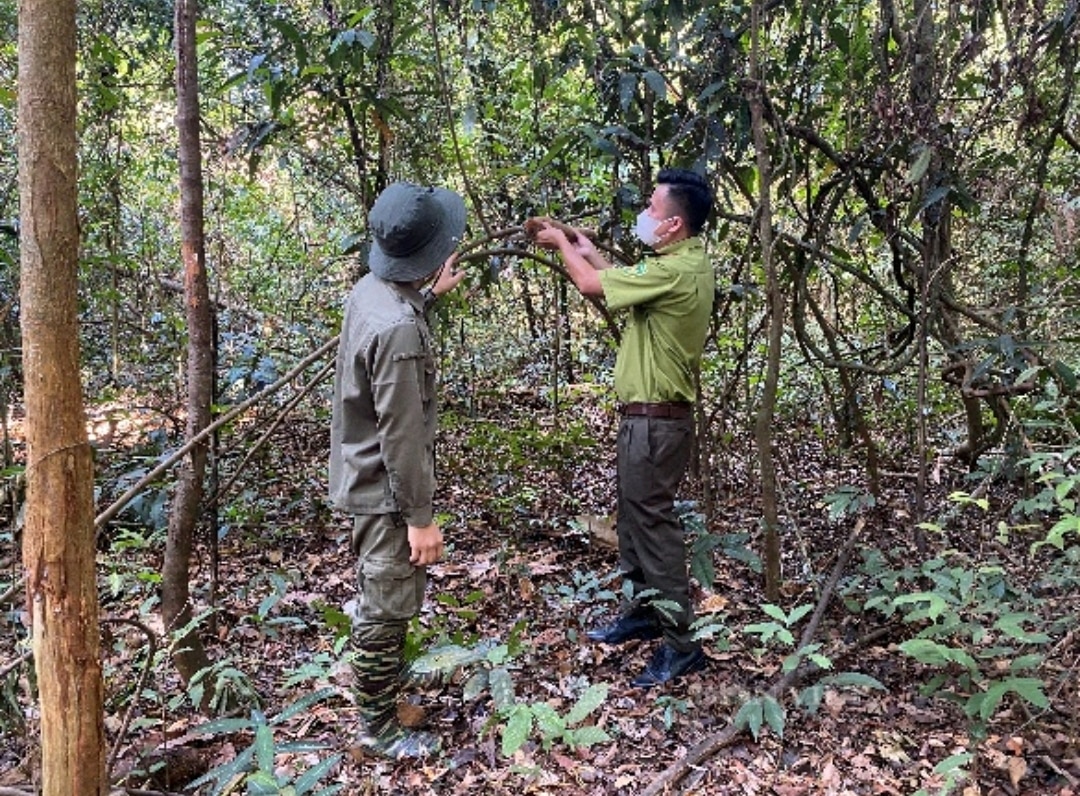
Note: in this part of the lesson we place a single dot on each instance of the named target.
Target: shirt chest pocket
(421, 367)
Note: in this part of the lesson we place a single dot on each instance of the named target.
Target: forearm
(583, 271)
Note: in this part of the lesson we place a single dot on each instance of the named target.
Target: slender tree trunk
(189, 655)
(767, 411)
(58, 537)
(935, 236)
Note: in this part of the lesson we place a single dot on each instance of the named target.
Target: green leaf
(517, 729)
(811, 696)
(587, 736)
(1025, 662)
(930, 652)
(920, 165)
(1011, 625)
(449, 657)
(797, 613)
(222, 726)
(262, 783)
(655, 81)
(953, 763)
(311, 777)
(776, 612)
(549, 723)
(264, 747)
(774, 715)
(502, 688)
(301, 705)
(590, 700)
(750, 716)
(853, 680)
(475, 685)
(1066, 374)
(627, 87)
(935, 608)
(226, 771)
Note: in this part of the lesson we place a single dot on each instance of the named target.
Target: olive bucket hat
(415, 230)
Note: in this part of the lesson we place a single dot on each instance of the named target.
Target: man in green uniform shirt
(669, 297)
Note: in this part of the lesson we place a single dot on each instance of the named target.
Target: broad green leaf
(1029, 688)
(450, 657)
(1024, 662)
(655, 81)
(797, 613)
(920, 165)
(750, 716)
(776, 612)
(550, 724)
(517, 729)
(936, 604)
(811, 696)
(1011, 625)
(590, 700)
(502, 688)
(587, 736)
(475, 685)
(930, 652)
(853, 680)
(774, 715)
(310, 778)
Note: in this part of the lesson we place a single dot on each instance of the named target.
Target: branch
(151, 641)
(720, 739)
(237, 410)
(284, 413)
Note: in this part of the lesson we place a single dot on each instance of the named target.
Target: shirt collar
(410, 294)
(679, 245)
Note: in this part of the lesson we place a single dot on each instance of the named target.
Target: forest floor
(523, 568)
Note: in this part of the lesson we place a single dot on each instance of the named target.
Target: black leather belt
(674, 409)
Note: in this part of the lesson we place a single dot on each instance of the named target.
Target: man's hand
(449, 276)
(426, 544)
(551, 237)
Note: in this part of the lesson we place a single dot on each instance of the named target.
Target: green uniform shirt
(670, 297)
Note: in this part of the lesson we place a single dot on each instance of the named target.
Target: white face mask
(646, 227)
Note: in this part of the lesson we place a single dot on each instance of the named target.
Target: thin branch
(718, 740)
(151, 641)
(237, 410)
(284, 413)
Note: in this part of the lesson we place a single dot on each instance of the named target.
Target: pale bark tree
(189, 654)
(58, 536)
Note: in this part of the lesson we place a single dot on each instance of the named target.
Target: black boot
(669, 664)
(642, 624)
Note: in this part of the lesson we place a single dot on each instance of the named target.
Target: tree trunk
(58, 536)
(767, 411)
(189, 654)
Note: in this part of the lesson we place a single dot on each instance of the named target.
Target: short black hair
(691, 195)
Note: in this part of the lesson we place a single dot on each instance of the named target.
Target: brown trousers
(653, 454)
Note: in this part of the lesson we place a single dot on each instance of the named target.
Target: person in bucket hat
(382, 440)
